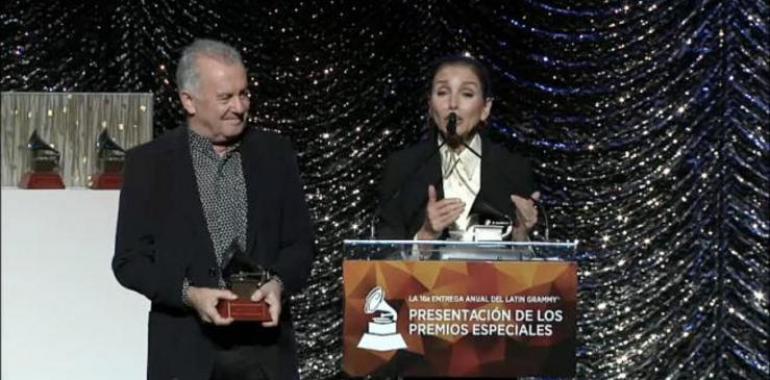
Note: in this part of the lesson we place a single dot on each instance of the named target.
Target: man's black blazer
(403, 191)
(162, 238)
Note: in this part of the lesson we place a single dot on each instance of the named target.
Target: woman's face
(457, 89)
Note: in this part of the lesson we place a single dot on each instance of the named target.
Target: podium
(459, 309)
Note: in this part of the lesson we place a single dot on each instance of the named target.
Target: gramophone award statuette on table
(109, 161)
(42, 166)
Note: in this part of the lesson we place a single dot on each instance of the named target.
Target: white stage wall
(64, 316)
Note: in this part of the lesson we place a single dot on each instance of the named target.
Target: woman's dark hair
(462, 60)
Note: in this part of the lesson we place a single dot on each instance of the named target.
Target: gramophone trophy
(109, 161)
(42, 170)
(243, 276)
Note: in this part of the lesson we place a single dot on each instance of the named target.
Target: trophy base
(244, 310)
(33, 180)
(106, 181)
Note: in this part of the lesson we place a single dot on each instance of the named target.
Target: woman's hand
(439, 215)
(526, 215)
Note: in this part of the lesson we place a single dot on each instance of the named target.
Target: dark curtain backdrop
(646, 121)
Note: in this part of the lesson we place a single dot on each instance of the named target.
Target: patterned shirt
(222, 190)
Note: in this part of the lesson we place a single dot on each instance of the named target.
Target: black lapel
(495, 186)
(415, 194)
(186, 186)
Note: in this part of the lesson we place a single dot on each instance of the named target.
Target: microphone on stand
(451, 131)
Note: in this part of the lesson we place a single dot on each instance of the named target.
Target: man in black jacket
(192, 198)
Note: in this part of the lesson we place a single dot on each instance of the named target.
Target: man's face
(219, 107)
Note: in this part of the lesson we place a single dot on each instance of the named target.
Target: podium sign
(488, 319)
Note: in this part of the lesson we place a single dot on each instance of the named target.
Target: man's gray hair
(187, 75)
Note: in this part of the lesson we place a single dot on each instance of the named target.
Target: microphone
(451, 125)
(451, 131)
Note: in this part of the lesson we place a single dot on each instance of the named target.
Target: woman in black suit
(447, 182)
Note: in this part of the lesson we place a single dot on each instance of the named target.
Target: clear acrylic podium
(459, 309)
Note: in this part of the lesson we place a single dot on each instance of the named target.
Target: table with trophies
(60, 300)
(64, 314)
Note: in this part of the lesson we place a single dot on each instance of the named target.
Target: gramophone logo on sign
(382, 334)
